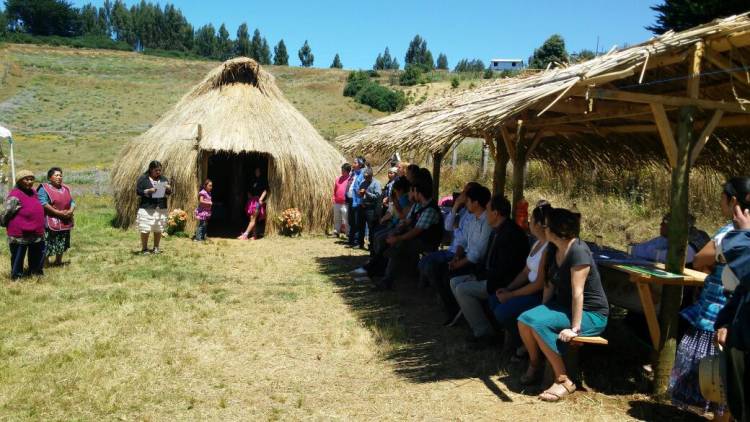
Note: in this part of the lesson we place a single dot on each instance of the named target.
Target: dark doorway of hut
(231, 175)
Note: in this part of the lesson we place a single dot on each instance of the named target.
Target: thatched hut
(235, 120)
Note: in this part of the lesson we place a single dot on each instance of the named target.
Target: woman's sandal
(534, 378)
(559, 390)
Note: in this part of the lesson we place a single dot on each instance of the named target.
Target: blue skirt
(684, 385)
(548, 321)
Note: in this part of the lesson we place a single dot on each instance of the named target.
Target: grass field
(271, 330)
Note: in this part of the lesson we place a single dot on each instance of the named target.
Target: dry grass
(272, 330)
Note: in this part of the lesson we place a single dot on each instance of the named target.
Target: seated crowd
(542, 294)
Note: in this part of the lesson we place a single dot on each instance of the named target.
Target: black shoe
(481, 343)
(451, 321)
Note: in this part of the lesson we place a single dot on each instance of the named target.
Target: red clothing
(29, 221)
(339, 189)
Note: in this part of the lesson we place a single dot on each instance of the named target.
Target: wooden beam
(501, 165)
(705, 135)
(437, 159)
(723, 43)
(694, 75)
(632, 97)
(519, 163)
(508, 141)
(534, 142)
(665, 133)
(725, 64)
(591, 117)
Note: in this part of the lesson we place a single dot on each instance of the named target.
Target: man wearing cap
(370, 206)
(357, 176)
(24, 220)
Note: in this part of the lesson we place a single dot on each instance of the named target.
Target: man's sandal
(559, 390)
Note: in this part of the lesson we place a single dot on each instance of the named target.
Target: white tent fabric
(5, 133)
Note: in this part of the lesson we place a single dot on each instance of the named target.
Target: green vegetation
(679, 15)
(466, 65)
(418, 54)
(412, 76)
(305, 55)
(337, 62)
(552, 51)
(385, 61)
(366, 91)
(442, 62)
(280, 55)
(454, 82)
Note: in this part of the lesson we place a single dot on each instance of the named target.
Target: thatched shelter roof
(237, 108)
(590, 112)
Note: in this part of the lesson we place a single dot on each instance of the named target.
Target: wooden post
(437, 158)
(501, 165)
(484, 158)
(678, 235)
(519, 162)
(454, 160)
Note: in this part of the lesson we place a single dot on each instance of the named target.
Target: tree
(280, 55)
(242, 44)
(683, 14)
(337, 62)
(305, 55)
(384, 61)
(89, 21)
(3, 24)
(552, 51)
(442, 62)
(394, 64)
(378, 63)
(265, 52)
(43, 17)
(418, 54)
(412, 75)
(205, 41)
(224, 45)
(582, 56)
(120, 21)
(466, 65)
(256, 45)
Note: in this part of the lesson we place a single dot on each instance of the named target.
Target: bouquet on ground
(176, 221)
(290, 221)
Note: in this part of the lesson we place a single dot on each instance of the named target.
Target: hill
(77, 107)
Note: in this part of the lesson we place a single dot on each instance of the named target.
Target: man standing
(355, 179)
(369, 209)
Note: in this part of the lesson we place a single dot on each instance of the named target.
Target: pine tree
(683, 14)
(205, 41)
(256, 45)
(378, 63)
(120, 21)
(44, 17)
(394, 64)
(337, 62)
(417, 54)
(305, 55)
(224, 44)
(442, 62)
(242, 44)
(387, 59)
(552, 51)
(280, 55)
(265, 52)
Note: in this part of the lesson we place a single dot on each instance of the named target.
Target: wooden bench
(570, 358)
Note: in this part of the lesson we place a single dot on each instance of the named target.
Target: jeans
(368, 223)
(355, 225)
(433, 265)
(471, 296)
(340, 219)
(201, 229)
(507, 313)
(18, 254)
(401, 256)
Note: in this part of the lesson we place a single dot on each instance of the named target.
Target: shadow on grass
(651, 411)
(407, 324)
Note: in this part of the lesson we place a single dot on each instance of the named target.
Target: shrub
(411, 76)
(489, 74)
(355, 82)
(454, 82)
(381, 98)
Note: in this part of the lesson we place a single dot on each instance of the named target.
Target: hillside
(76, 107)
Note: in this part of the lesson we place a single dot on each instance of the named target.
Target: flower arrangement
(290, 221)
(176, 221)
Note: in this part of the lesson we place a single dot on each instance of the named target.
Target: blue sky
(359, 30)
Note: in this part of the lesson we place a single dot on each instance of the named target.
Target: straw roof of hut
(594, 112)
(237, 108)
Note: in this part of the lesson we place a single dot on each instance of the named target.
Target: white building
(506, 64)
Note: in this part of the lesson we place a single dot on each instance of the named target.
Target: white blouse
(533, 261)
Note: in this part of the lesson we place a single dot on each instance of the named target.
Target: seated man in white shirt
(656, 248)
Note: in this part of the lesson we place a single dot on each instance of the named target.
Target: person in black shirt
(574, 303)
(507, 249)
(256, 205)
(152, 189)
